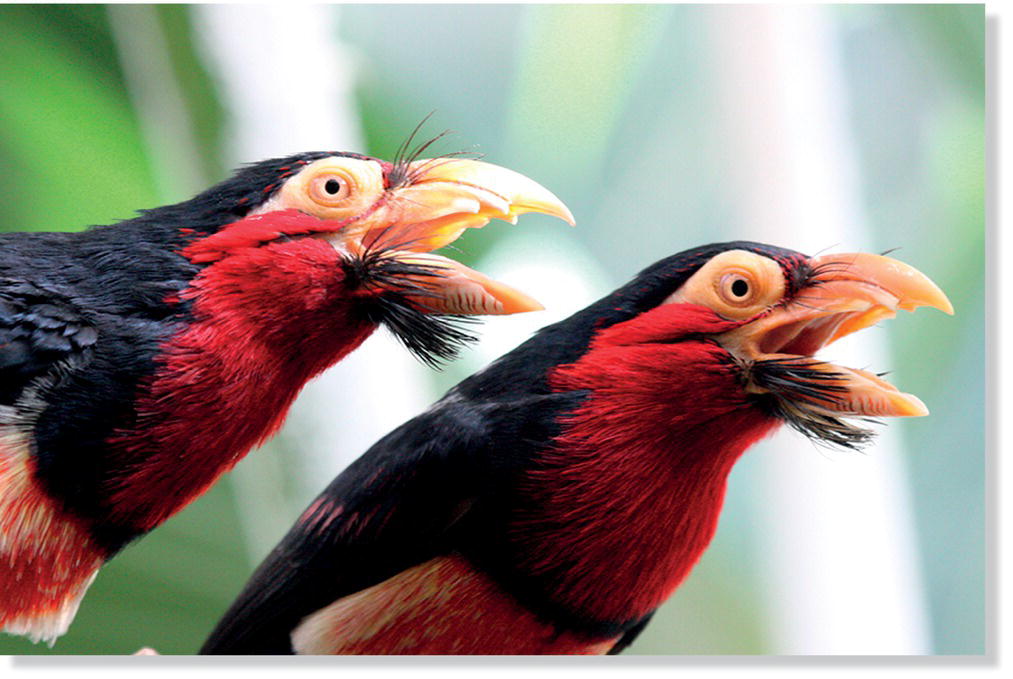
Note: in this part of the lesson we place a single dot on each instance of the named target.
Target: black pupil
(332, 186)
(740, 288)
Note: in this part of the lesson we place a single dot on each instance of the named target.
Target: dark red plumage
(225, 382)
(625, 464)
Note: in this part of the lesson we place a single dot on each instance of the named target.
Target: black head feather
(247, 189)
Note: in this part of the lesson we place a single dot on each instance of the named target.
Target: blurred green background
(618, 110)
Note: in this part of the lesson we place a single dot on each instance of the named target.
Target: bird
(141, 360)
(549, 503)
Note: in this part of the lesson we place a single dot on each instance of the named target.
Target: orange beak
(442, 198)
(849, 292)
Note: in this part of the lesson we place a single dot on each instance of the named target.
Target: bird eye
(736, 288)
(329, 189)
(735, 284)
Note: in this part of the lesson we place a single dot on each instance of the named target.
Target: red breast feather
(267, 320)
(624, 503)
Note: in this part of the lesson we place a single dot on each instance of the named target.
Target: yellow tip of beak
(520, 193)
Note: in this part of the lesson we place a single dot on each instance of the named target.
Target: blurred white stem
(287, 84)
(157, 97)
(837, 545)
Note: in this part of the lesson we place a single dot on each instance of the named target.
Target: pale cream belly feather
(443, 606)
(46, 558)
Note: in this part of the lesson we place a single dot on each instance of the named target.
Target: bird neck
(263, 325)
(628, 498)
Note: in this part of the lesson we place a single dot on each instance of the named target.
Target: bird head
(319, 230)
(729, 332)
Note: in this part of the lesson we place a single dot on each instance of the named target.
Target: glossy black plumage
(37, 330)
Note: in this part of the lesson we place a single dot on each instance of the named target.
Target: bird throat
(224, 384)
(641, 466)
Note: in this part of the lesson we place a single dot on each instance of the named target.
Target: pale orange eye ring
(738, 288)
(329, 189)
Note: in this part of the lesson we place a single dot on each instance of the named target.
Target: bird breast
(443, 606)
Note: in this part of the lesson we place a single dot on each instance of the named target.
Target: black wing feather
(428, 488)
(393, 508)
(630, 635)
(38, 330)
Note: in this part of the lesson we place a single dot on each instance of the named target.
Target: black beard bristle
(794, 389)
(434, 339)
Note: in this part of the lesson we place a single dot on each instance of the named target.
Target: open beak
(441, 198)
(849, 292)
